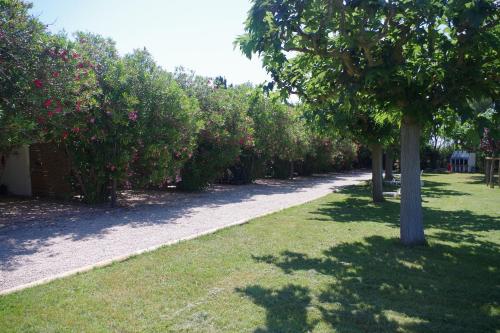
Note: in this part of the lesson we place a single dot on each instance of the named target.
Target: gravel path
(32, 253)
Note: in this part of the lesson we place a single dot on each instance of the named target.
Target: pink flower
(93, 138)
(76, 55)
(75, 129)
(92, 120)
(64, 135)
(38, 83)
(132, 115)
(77, 107)
(81, 65)
(55, 74)
(58, 109)
(64, 55)
(47, 103)
(50, 114)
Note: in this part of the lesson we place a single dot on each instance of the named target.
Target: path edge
(122, 258)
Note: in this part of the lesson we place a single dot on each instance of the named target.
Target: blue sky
(197, 34)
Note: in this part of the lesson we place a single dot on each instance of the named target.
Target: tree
(360, 124)
(22, 58)
(390, 153)
(413, 58)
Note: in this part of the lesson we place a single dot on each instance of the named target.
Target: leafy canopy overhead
(412, 56)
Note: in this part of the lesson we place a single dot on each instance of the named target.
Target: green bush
(119, 119)
(226, 130)
(281, 135)
(22, 62)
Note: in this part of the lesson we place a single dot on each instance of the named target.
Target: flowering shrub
(489, 145)
(281, 135)
(227, 129)
(22, 39)
(75, 113)
(167, 120)
(122, 121)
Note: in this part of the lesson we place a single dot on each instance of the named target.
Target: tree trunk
(412, 227)
(3, 162)
(113, 179)
(291, 170)
(492, 174)
(487, 171)
(389, 161)
(377, 188)
(113, 192)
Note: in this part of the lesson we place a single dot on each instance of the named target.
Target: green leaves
(412, 56)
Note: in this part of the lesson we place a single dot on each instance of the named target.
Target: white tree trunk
(412, 227)
(377, 187)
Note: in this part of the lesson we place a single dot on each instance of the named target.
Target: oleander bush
(281, 135)
(120, 120)
(227, 129)
(124, 122)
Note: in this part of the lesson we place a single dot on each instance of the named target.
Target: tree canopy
(411, 58)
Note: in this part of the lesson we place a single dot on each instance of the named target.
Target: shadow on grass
(286, 308)
(359, 208)
(380, 286)
(477, 180)
(434, 189)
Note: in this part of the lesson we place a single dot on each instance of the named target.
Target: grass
(333, 265)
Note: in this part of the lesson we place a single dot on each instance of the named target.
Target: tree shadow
(477, 179)
(286, 308)
(435, 189)
(377, 285)
(357, 207)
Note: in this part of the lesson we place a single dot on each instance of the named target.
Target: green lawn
(331, 265)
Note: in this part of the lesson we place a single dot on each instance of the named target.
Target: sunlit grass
(331, 265)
